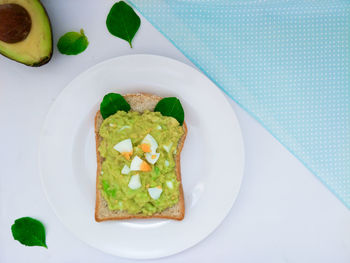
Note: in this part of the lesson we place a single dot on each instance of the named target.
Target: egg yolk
(127, 155)
(146, 147)
(145, 167)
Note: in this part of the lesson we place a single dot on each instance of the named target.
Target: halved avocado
(25, 32)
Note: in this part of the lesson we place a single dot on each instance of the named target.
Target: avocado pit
(15, 23)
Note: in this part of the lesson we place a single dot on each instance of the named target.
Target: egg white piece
(167, 147)
(152, 158)
(135, 182)
(124, 127)
(125, 170)
(155, 192)
(124, 146)
(136, 164)
(169, 184)
(159, 127)
(151, 141)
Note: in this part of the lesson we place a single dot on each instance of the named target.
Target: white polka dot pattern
(285, 62)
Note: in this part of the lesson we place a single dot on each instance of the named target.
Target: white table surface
(282, 214)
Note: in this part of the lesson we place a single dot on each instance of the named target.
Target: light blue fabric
(285, 62)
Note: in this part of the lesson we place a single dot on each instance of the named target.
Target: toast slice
(138, 102)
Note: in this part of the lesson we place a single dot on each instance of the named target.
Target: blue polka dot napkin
(284, 61)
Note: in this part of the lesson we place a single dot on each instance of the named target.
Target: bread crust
(138, 102)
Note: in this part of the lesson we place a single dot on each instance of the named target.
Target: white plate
(211, 162)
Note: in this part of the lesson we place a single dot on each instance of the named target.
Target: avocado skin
(40, 63)
(44, 60)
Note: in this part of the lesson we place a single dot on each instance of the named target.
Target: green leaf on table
(111, 103)
(29, 232)
(171, 107)
(123, 22)
(72, 43)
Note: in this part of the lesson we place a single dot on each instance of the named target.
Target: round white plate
(211, 162)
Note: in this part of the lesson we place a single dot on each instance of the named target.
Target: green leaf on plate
(171, 107)
(72, 43)
(123, 22)
(111, 103)
(29, 232)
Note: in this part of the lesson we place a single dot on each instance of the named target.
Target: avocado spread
(118, 175)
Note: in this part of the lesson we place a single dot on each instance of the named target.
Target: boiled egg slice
(152, 157)
(124, 127)
(125, 148)
(155, 192)
(135, 182)
(169, 184)
(167, 147)
(125, 170)
(149, 144)
(137, 164)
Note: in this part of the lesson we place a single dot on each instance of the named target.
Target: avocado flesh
(36, 48)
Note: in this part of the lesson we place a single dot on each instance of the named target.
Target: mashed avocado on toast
(115, 185)
(138, 155)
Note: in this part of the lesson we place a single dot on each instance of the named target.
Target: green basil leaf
(29, 232)
(123, 22)
(111, 103)
(72, 43)
(171, 107)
